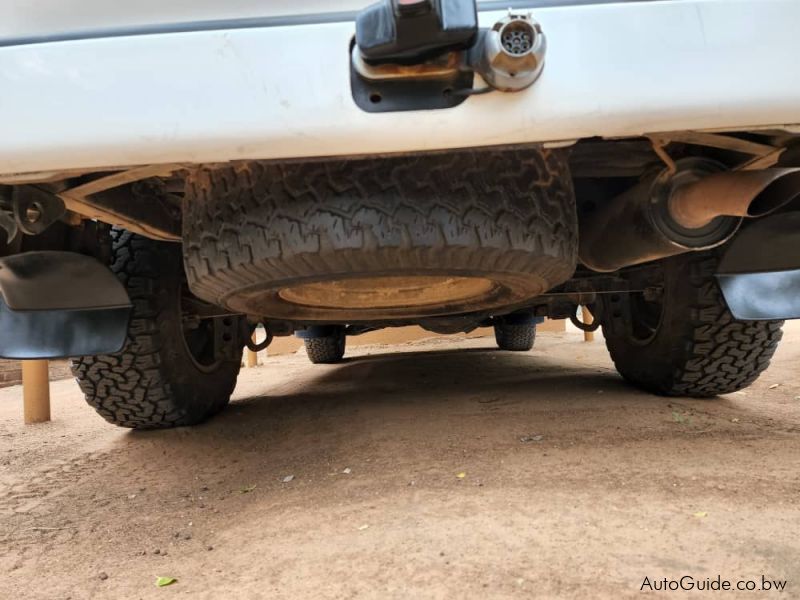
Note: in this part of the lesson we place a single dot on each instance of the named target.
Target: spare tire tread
(261, 221)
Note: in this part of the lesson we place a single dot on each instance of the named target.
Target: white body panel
(274, 92)
(25, 19)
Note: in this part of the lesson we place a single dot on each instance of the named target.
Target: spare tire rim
(389, 292)
(366, 297)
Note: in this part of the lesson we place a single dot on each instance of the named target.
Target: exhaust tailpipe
(734, 194)
(695, 208)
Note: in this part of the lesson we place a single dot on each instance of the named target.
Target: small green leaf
(247, 489)
(165, 581)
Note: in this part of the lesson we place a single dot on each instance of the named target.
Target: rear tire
(326, 349)
(156, 381)
(515, 337)
(687, 343)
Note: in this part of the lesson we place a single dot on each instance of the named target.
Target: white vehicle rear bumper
(612, 70)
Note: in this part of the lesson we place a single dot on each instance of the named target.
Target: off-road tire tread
(515, 337)
(509, 211)
(324, 350)
(712, 352)
(132, 388)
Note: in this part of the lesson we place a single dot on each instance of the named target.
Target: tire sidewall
(655, 364)
(196, 391)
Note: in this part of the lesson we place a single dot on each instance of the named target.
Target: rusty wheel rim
(389, 292)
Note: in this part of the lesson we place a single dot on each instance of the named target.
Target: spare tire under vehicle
(381, 239)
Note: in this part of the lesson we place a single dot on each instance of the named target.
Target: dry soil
(438, 469)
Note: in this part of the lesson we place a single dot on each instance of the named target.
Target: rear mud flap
(60, 304)
(760, 272)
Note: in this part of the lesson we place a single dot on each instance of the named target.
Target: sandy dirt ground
(572, 484)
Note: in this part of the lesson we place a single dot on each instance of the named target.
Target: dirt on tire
(153, 382)
(503, 219)
(698, 348)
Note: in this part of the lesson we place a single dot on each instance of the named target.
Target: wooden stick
(588, 319)
(35, 391)
(252, 357)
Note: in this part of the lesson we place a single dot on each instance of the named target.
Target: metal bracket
(105, 199)
(439, 83)
(8, 224)
(35, 209)
(248, 332)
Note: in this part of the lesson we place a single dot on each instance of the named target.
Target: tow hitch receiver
(760, 272)
(424, 54)
(60, 304)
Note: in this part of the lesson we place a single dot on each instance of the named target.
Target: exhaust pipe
(734, 194)
(697, 207)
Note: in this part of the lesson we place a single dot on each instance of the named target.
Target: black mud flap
(760, 272)
(60, 304)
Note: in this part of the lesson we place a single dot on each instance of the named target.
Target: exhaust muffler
(696, 207)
